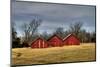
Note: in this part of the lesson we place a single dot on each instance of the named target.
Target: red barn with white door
(55, 41)
(39, 43)
(71, 39)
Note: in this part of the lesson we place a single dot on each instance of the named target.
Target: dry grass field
(24, 56)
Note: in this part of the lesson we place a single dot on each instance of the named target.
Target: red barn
(71, 39)
(39, 43)
(55, 41)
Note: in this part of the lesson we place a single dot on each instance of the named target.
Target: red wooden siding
(55, 41)
(71, 40)
(39, 43)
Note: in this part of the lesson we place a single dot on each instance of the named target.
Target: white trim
(67, 36)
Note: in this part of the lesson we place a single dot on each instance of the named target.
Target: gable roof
(37, 39)
(53, 36)
(69, 36)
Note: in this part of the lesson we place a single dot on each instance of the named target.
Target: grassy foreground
(24, 56)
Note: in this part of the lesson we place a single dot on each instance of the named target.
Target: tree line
(30, 31)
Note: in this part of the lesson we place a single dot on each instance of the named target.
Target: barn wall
(55, 41)
(71, 41)
(40, 43)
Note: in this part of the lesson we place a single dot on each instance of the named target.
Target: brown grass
(24, 56)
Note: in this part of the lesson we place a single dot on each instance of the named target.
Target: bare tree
(93, 37)
(30, 28)
(75, 28)
(45, 35)
(82, 36)
(14, 33)
(60, 31)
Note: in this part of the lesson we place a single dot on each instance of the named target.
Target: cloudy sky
(53, 15)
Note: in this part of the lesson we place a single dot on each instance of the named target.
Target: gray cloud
(53, 15)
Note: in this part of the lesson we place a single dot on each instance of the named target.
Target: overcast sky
(53, 15)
